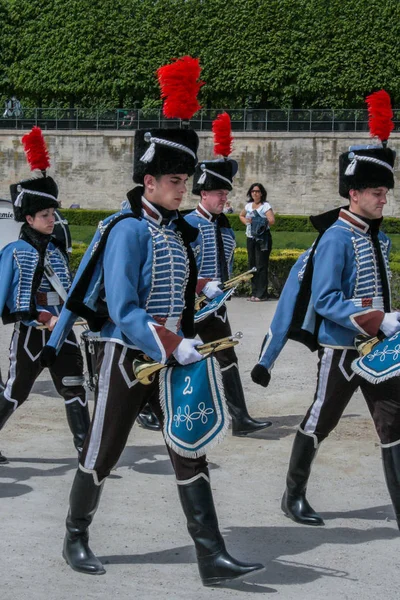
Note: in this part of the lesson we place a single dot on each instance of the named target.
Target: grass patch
(82, 233)
(283, 239)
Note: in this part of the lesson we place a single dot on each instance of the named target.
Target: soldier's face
(43, 221)
(214, 200)
(166, 191)
(369, 202)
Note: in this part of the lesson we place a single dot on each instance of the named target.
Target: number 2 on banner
(188, 389)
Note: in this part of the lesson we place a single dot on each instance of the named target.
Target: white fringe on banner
(372, 378)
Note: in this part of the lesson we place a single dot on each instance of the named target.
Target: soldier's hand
(186, 352)
(390, 324)
(260, 375)
(51, 323)
(212, 289)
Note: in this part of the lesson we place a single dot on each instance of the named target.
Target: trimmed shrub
(391, 225)
(81, 216)
(292, 223)
(235, 222)
(280, 263)
(78, 250)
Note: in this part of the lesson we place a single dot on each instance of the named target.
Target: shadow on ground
(268, 545)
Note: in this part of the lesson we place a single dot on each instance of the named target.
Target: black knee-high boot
(215, 564)
(294, 501)
(84, 500)
(391, 467)
(78, 420)
(242, 423)
(6, 410)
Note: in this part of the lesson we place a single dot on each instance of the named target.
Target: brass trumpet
(144, 370)
(76, 324)
(230, 283)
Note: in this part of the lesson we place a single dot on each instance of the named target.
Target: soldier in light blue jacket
(136, 286)
(337, 290)
(214, 252)
(34, 281)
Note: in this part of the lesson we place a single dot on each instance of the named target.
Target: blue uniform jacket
(18, 264)
(138, 281)
(205, 246)
(346, 291)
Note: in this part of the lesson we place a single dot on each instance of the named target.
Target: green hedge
(391, 225)
(81, 216)
(280, 263)
(78, 250)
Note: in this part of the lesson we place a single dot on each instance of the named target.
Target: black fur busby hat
(365, 167)
(217, 174)
(171, 150)
(163, 151)
(214, 175)
(370, 166)
(31, 195)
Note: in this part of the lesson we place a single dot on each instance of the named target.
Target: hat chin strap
(149, 154)
(203, 176)
(351, 168)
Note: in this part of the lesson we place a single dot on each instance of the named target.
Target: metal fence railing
(346, 120)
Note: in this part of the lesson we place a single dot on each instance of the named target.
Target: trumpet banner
(213, 305)
(382, 363)
(194, 406)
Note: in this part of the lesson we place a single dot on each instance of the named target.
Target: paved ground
(139, 531)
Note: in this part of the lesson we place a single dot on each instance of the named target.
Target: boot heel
(221, 568)
(79, 557)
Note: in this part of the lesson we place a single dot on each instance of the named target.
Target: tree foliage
(274, 53)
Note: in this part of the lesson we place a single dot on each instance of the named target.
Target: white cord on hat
(352, 166)
(203, 176)
(18, 199)
(149, 154)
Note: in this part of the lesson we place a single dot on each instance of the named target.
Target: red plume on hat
(36, 150)
(380, 115)
(180, 84)
(222, 130)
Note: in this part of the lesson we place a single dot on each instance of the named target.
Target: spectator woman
(258, 216)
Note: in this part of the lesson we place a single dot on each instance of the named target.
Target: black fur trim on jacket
(296, 333)
(75, 301)
(223, 221)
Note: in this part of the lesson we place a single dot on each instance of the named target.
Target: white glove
(212, 289)
(390, 324)
(186, 352)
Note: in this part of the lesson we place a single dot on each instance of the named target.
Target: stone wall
(94, 169)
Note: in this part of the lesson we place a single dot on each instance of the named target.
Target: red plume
(36, 150)
(380, 115)
(222, 131)
(179, 87)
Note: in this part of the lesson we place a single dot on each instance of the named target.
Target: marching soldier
(327, 308)
(34, 281)
(136, 283)
(214, 253)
